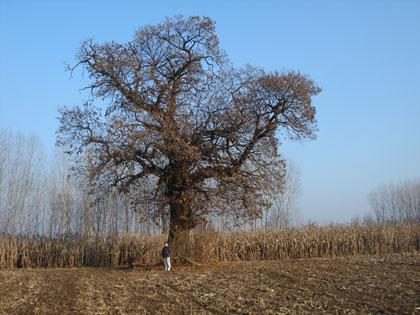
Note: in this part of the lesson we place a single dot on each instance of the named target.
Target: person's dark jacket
(166, 252)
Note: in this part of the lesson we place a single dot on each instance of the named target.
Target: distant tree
(284, 197)
(21, 182)
(396, 203)
(179, 114)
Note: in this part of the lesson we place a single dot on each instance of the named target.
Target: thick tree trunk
(181, 216)
(180, 227)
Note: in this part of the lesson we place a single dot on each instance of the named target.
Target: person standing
(166, 254)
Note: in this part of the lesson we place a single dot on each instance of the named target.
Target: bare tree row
(396, 202)
(42, 196)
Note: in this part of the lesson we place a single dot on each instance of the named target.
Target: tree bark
(181, 220)
(181, 216)
(180, 226)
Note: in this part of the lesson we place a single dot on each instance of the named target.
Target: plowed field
(353, 285)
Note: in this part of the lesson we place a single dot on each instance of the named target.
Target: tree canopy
(179, 116)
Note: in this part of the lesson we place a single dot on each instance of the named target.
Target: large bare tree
(178, 115)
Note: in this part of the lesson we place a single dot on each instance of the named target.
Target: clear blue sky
(364, 54)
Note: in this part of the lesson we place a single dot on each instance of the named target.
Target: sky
(365, 55)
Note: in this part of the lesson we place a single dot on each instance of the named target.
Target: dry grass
(310, 241)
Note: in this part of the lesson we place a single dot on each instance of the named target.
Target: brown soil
(352, 285)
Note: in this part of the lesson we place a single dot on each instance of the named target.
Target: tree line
(396, 202)
(41, 194)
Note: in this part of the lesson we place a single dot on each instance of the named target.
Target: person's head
(166, 244)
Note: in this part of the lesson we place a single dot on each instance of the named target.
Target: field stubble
(387, 284)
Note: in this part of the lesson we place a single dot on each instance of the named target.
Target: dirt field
(354, 285)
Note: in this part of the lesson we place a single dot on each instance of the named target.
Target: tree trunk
(180, 227)
(181, 220)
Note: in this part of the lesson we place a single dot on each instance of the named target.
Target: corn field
(304, 242)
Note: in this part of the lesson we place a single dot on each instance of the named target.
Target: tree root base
(185, 261)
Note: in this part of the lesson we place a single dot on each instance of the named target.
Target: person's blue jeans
(167, 263)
